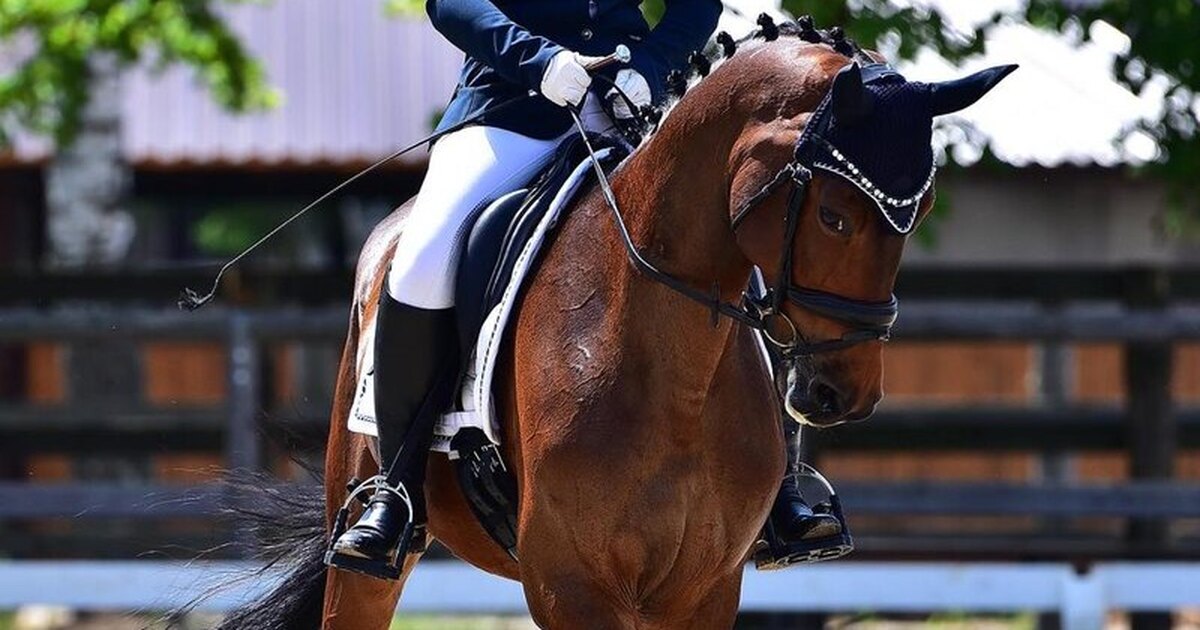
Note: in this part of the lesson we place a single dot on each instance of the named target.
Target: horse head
(850, 138)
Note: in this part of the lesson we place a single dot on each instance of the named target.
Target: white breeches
(468, 169)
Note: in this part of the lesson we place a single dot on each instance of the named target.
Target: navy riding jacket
(508, 44)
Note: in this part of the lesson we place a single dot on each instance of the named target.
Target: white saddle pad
(476, 393)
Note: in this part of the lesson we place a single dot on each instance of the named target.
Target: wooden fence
(1148, 428)
(1080, 600)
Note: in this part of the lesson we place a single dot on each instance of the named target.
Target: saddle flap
(498, 235)
(478, 263)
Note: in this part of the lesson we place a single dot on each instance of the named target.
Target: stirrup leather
(388, 568)
(771, 552)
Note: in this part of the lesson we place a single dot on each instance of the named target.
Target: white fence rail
(452, 587)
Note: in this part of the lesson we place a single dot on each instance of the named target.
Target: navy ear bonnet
(874, 129)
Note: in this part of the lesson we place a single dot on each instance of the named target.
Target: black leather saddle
(500, 233)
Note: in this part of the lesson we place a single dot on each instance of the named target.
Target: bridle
(869, 320)
(764, 311)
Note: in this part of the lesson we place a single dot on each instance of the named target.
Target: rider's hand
(634, 86)
(566, 80)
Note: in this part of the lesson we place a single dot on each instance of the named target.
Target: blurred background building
(1043, 388)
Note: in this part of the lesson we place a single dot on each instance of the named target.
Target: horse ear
(952, 96)
(851, 101)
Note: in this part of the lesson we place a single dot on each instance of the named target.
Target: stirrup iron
(389, 568)
(771, 554)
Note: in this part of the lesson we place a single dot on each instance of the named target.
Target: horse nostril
(826, 398)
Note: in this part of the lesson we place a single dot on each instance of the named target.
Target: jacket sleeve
(484, 32)
(685, 27)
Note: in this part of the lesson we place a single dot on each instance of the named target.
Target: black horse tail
(288, 527)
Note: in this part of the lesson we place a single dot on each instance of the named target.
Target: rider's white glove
(634, 85)
(566, 80)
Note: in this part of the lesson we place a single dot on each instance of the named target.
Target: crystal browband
(886, 202)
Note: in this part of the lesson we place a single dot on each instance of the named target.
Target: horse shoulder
(743, 408)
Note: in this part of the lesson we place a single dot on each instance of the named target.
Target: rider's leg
(794, 532)
(791, 516)
(415, 336)
(467, 169)
(414, 360)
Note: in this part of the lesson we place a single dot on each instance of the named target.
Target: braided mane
(701, 62)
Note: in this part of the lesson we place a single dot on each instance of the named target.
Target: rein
(872, 321)
(710, 301)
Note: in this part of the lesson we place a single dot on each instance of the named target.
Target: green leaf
(47, 92)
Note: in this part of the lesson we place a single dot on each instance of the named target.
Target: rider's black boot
(415, 351)
(795, 532)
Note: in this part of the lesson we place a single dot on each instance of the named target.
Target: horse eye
(836, 223)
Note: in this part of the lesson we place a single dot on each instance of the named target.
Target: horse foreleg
(358, 602)
(567, 601)
(718, 610)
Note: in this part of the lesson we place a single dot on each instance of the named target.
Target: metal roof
(357, 84)
(1061, 107)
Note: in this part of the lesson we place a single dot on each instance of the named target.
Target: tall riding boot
(415, 361)
(794, 532)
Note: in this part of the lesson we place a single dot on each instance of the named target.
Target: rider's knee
(421, 279)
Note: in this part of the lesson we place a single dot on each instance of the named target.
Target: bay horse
(644, 433)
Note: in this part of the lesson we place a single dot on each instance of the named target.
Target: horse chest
(659, 489)
(649, 447)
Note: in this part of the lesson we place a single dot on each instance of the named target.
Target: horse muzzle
(813, 399)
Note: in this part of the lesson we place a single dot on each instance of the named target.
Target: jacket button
(586, 34)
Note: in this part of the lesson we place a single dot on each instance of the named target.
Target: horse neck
(674, 197)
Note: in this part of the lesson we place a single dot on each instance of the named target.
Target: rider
(512, 47)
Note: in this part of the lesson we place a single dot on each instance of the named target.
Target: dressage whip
(190, 300)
